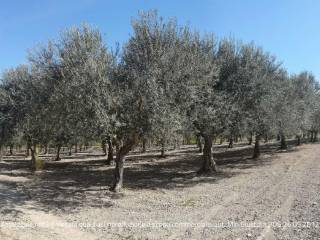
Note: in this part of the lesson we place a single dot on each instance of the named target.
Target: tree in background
(167, 82)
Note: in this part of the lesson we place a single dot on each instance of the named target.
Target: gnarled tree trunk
(110, 152)
(58, 153)
(208, 164)
(144, 147)
(34, 156)
(256, 150)
(45, 149)
(76, 148)
(298, 140)
(283, 143)
(11, 150)
(28, 148)
(120, 159)
(70, 150)
(1, 153)
(230, 142)
(163, 149)
(199, 143)
(104, 146)
(250, 139)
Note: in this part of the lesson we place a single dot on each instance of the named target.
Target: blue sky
(289, 29)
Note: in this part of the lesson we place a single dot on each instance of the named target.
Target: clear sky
(289, 29)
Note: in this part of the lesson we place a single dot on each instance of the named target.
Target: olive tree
(314, 117)
(304, 87)
(208, 106)
(80, 100)
(257, 72)
(29, 97)
(147, 85)
(7, 123)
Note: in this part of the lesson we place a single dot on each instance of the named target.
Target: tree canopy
(165, 80)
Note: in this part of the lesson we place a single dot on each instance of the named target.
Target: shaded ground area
(280, 187)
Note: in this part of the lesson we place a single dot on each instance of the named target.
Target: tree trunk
(104, 146)
(230, 142)
(58, 153)
(1, 152)
(70, 151)
(45, 149)
(256, 151)
(110, 152)
(118, 173)
(283, 144)
(199, 143)
(298, 140)
(221, 140)
(11, 150)
(163, 149)
(117, 145)
(315, 137)
(250, 139)
(76, 148)
(174, 144)
(34, 156)
(208, 164)
(120, 159)
(144, 147)
(28, 149)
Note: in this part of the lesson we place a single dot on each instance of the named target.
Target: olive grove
(165, 80)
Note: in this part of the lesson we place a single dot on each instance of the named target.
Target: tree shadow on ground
(67, 186)
(10, 198)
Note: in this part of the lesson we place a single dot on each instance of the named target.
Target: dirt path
(27, 220)
(276, 197)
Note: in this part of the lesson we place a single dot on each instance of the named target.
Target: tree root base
(116, 189)
(203, 171)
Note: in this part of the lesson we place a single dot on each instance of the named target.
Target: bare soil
(274, 197)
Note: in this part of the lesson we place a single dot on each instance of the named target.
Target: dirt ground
(275, 197)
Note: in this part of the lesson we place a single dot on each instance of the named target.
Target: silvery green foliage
(283, 111)
(257, 73)
(315, 113)
(229, 82)
(304, 87)
(28, 100)
(150, 68)
(294, 102)
(45, 70)
(7, 112)
(80, 101)
(166, 81)
(207, 107)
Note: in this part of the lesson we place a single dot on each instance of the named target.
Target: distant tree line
(167, 81)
